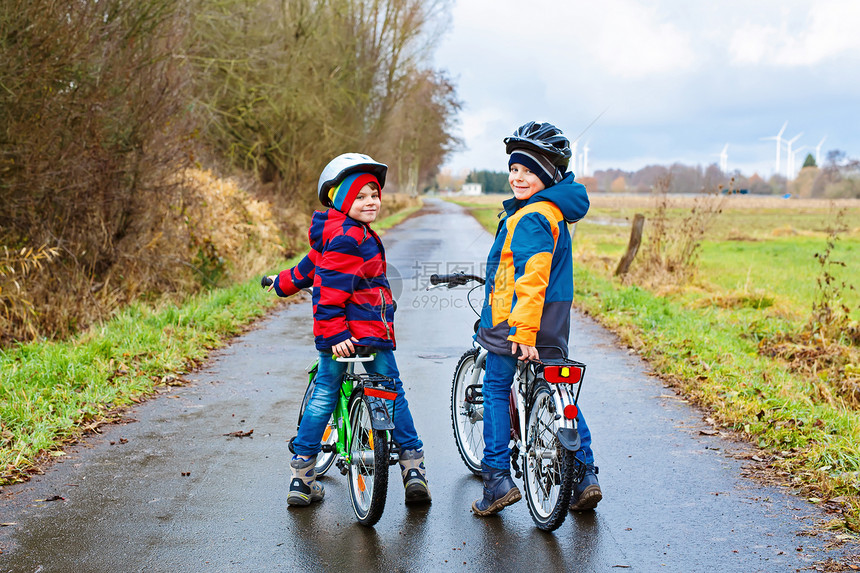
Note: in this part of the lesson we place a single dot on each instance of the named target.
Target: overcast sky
(677, 79)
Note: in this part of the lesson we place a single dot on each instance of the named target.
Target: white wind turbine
(724, 159)
(585, 160)
(778, 138)
(818, 151)
(789, 170)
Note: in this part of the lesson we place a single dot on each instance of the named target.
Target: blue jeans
(325, 395)
(498, 378)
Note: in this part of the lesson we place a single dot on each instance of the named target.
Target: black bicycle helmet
(544, 138)
(346, 164)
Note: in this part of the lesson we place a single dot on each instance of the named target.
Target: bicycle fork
(380, 400)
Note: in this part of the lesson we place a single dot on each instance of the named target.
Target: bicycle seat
(362, 350)
(362, 353)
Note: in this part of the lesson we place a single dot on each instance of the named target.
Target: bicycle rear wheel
(467, 411)
(549, 467)
(329, 438)
(368, 464)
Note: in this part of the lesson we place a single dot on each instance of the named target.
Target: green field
(752, 247)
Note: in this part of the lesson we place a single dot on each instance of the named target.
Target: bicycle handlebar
(265, 281)
(455, 279)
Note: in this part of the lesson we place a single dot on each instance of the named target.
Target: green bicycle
(358, 436)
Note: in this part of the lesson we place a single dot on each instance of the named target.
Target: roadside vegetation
(758, 324)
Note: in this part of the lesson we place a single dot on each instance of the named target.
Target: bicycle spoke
(549, 470)
(362, 445)
(368, 463)
(466, 415)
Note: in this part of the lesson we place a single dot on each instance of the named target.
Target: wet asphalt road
(674, 499)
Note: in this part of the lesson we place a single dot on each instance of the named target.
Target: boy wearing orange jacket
(529, 290)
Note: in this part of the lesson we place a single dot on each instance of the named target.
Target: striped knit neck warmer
(538, 164)
(343, 194)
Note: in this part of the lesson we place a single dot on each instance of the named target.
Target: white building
(472, 189)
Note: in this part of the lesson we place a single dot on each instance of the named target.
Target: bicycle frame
(382, 418)
(565, 396)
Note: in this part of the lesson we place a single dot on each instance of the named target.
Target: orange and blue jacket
(529, 286)
(351, 294)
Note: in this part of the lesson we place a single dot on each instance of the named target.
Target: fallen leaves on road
(240, 434)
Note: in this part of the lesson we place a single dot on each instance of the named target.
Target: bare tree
(287, 84)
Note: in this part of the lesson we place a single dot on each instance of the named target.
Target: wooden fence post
(632, 246)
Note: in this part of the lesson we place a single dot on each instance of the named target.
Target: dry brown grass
(202, 231)
(671, 245)
(16, 268)
(226, 222)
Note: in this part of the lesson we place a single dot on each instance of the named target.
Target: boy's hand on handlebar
(344, 349)
(527, 352)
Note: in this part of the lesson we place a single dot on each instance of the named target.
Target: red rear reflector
(570, 412)
(562, 374)
(377, 393)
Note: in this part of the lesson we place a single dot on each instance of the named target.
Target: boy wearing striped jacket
(352, 304)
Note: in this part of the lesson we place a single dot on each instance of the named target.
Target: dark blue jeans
(498, 377)
(324, 399)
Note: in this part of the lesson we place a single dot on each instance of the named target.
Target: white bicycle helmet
(346, 164)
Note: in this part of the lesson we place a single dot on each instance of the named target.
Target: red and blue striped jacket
(351, 295)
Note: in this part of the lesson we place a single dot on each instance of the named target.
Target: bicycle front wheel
(467, 411)
(329, 438)
(549, 467)
(368, 463)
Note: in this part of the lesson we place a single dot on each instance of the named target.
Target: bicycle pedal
(327, 448)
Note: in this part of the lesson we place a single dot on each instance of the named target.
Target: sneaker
(304, 487)
(499, 491)
(586, 494)
(414, 476)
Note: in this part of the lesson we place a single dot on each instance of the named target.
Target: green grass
(704, 339)
(709, 354)
(783, 267)
(50, 392)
